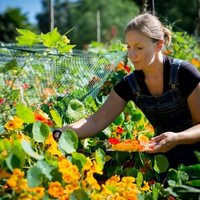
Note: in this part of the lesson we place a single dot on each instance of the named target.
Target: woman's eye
(139, 48)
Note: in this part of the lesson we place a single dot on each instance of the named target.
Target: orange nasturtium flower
(130, 145)
(195, 62)
(55, 189)
(14, 123)
(43, 117)
(122, 67)
(113, 140)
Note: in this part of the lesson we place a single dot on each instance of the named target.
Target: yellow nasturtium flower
(14, 123)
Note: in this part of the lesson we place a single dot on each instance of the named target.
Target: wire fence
(40, 74)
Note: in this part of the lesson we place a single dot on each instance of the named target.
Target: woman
(167, 90)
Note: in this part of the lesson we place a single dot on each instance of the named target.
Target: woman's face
(141, 49)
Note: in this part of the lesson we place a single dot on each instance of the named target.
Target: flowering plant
(34, 166)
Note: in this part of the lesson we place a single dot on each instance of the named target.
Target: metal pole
(153, 7)
(51, 15)
(98, 26)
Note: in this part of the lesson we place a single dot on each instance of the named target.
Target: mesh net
(40, 75)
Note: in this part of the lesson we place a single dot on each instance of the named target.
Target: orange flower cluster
(119, 189)
(130, 145)
(20, 185)
(90, 168)
(70, 176)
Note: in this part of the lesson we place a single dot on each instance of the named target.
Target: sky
(30, 7)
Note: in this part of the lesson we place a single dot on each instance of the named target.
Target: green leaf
(79, 194)
(34, 176)
(50, 39)
(119, 120)
(56, 118)
(197, 154)
(112, 188)
(139, 179)
(27, 37)
(46, 168)
(161, 163)
(68, 141)
(65, 48)
(193, 170)
(40, 131)
(100, 158)
(2, 130)
(16, 158)
(136, 116)
(186, 189)
(25, 113)
(28, 150)
(195, 183)
(79, 159)
(10, 65)
(12, 161)
(75, 110)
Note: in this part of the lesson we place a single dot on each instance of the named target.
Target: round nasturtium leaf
(68, 141)
(161, 163)
(119, 120)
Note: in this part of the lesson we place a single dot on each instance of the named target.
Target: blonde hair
(151, 26)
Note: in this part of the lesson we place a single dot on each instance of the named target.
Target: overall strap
(173, 81)
(133, 84)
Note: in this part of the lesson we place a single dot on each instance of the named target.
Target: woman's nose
(131, 54)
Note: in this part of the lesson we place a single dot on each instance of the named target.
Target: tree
(81, 17)
(11, 19)
(61, 10)
(114, 15)
(182, 13)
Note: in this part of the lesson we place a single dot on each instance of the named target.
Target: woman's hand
(163, 143)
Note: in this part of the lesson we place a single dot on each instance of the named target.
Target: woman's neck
(156, 68)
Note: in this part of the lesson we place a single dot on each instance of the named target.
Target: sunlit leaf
(25, 113)
(139, 179)
(26, 38)
(50, 39)
(56, 118)
(100, 158)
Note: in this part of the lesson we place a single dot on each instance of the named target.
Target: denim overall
(168, 112)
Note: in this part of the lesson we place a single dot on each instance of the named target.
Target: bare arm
(90, 126)
(169, 140)
(192, 135)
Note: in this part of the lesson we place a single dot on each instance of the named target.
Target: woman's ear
(160, 44)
